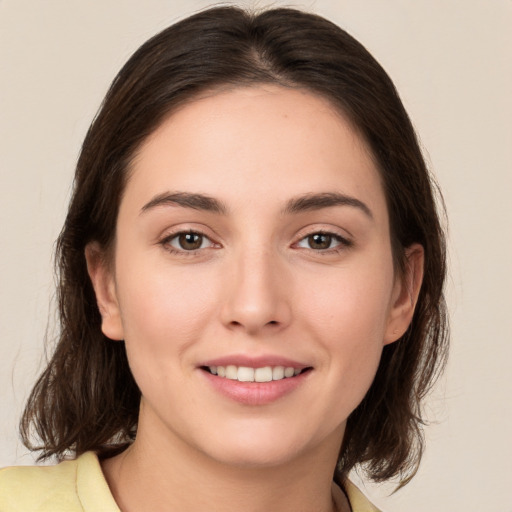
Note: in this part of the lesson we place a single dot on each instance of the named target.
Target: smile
(248, 374)
(255, 381)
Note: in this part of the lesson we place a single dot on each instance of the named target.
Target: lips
(255, 381)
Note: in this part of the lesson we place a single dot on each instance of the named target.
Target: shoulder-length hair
(86, 398)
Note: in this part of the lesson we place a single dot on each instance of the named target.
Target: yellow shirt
(79, 486)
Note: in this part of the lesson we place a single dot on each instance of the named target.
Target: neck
(163, 474)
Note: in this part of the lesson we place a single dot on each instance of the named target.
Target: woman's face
(252, 244)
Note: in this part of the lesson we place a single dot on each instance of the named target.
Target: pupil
(190, 241)
(320, 241)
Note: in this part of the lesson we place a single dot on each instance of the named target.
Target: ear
(405, 294)
(103, 282)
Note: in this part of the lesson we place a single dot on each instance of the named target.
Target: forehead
(256, 144)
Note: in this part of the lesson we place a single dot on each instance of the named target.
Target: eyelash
(166, 243)
(343, 243)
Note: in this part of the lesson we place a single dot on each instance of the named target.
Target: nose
(257, 294)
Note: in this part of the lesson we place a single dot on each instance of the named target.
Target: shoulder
(39, 488)
(74, 485)
(358, 501)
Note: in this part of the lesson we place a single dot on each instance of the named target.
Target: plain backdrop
(451, 61)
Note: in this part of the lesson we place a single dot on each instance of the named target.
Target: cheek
(348, 316)
(157, 298)
(353, 304)
(163, 312)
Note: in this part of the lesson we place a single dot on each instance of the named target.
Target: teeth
(278, 373)
(263, 374)
(246, 374)
(231, 372)
(288, 372)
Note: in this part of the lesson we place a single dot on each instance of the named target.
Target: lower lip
(255, 393)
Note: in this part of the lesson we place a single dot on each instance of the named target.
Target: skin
(256, 286)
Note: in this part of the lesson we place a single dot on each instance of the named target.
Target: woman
(251, 281)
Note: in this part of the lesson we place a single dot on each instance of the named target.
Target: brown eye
(187, 241)
(319, 241)
(324, 242)
(190, 241)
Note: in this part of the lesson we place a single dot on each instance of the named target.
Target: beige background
(451, 61)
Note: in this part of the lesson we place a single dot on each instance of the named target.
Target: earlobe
(103, 283)
(405, 294)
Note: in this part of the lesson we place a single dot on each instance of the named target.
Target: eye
(188, 241)
(323, 241)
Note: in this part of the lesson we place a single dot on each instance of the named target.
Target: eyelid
(326, 229)
(173, 233)
(204, 239)
(345, 242)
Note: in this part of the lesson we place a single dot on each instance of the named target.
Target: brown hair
(86, 398)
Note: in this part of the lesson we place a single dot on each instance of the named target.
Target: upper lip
(254, 362)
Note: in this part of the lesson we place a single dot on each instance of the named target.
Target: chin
(257, 456)
(266, 447)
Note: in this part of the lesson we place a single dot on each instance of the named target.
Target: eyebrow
(187, 200)
(306, 202)
(324, 200)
